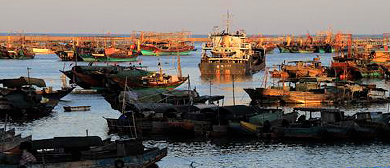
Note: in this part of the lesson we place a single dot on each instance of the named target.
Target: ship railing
(207, 46)
(245, 46)
(226, 58)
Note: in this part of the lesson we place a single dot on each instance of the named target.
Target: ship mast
(228, 21)
(179, 64)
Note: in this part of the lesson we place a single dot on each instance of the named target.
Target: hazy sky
(198, 16)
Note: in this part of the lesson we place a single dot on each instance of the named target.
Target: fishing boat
(306, 91)
(230, 54)
(76, 108)
(88, 151)
(116, 55)
(173, 43)
(95, 77)
(153, 80)
(167, 49)
(297, 69)
(156, 80)
(9, 141)
(26, 83)
(68, 55)
(17, 53)
(332, 124)
(16, 50)
(20, 101)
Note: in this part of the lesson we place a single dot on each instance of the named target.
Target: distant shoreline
(128, 35)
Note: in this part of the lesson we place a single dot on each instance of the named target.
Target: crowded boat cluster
(150, 105)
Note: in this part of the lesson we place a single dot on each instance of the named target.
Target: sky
(198, 16)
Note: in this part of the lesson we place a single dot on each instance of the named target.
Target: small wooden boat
(76, 108)
(90, 151)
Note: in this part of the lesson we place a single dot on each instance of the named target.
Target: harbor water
(201, 153)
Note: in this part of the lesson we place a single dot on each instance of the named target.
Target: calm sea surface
(211, 153)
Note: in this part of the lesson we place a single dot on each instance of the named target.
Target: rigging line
(243, 95)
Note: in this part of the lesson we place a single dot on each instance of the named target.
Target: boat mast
(124, 97)
(160, 67)
(179, 65)
(9, 40)
(228, 21)
(28, 76)
(75, 53)
(132, 113)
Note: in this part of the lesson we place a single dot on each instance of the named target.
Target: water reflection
(225, 79)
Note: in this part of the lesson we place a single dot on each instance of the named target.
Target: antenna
(228, 21)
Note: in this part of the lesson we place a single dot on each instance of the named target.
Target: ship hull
(113, 59)
(228, 68)
(152, 53)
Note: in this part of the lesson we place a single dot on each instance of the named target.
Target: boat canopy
(67, 142)
(315, 109)
(22, 81)
(308, 79)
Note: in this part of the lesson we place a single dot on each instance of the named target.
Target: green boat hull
(306, 51)
(110, 59)
(87, 57)
(371, 74)
(151, 53)
(284, 50)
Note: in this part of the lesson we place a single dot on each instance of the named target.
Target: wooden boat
(51, 96)
(67, 55)
(150, 49)
(19, 100)
(297, 69)
(86, 152)
(9, 141)
(12, 143)
(154, 80)
(76, 108)
(117, 55)
(151, 80)
(17, 53)
(91, 77)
